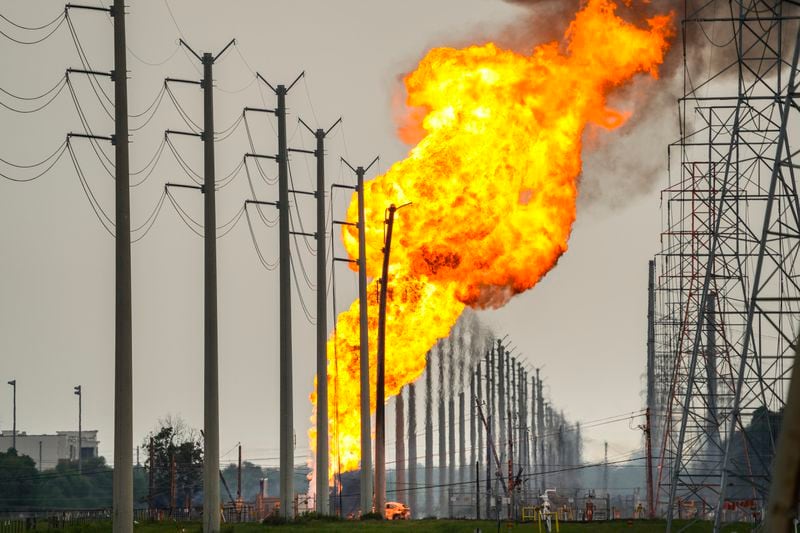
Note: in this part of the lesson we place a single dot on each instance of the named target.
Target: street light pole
(80, 428)
(13, 384)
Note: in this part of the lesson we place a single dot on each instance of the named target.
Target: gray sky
(584, 324)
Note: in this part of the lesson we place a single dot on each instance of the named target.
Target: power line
(60, 20)
(52, 158)
(33, 28)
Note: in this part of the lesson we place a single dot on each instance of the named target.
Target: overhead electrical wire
(227, 180)
(33, 28)
(230, 130)
(266, 264)
(191, 223)
(84, 59)
(269, 223)
(101, 215)
(309, 317)
(105, 160)
(194, 176)
(150, 221)
(154, 106)
(60, 19)
(53, 158)
(53, 92)
(183, 215)
(269, 181)
(241, 89)
(311, 250)
(194, 126)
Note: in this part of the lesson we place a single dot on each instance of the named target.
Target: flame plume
(493, 186)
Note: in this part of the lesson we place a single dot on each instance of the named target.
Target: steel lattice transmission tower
(727, 296)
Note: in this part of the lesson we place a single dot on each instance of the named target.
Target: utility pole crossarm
(261, 202)
(183, 186)
(231, 43)
(89, 8)
(339, 121)
(303, 151)
(185, 133)
(259, 110)
(89, 72)
(263, 156)
(344, 223)
(262, 78)
(307, 193)
(90, 136)
(195, 54)
(181, 80)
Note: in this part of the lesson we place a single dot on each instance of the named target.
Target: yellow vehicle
(397, 511)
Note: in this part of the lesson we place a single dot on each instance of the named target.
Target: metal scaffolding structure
(727, 303)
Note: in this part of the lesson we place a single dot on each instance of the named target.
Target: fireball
(492, 181)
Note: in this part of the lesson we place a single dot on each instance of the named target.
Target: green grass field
(433, 526)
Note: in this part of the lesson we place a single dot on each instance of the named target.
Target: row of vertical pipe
(487, 408)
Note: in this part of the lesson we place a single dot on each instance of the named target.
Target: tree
(174, 439)
(63, 487)
(17, 481)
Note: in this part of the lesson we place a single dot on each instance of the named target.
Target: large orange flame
(492, 183)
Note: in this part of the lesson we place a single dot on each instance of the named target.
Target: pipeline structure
(478, 459)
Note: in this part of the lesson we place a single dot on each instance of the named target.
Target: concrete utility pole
(462, 438)
(501, 412)
(380, 405)
(442, 438)
(401, 488)
(451, 433)
(473, 444)
(80, 428)
(366, 433)
(13, 384)
(412, 448)
(366, 437)
(488, 403)
(651, 511)
(286, 374)
(512, 406)
(651, 336)
(211, 495)
(286, 437)
(122, 498)
(323, 456)
(428, 435)
(540, 429)
(479, 427)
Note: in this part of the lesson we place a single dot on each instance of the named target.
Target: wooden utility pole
(380, 422)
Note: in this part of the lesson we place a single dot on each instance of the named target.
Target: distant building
(50, 449)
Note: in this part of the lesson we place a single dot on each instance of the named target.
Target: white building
(47, 450)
